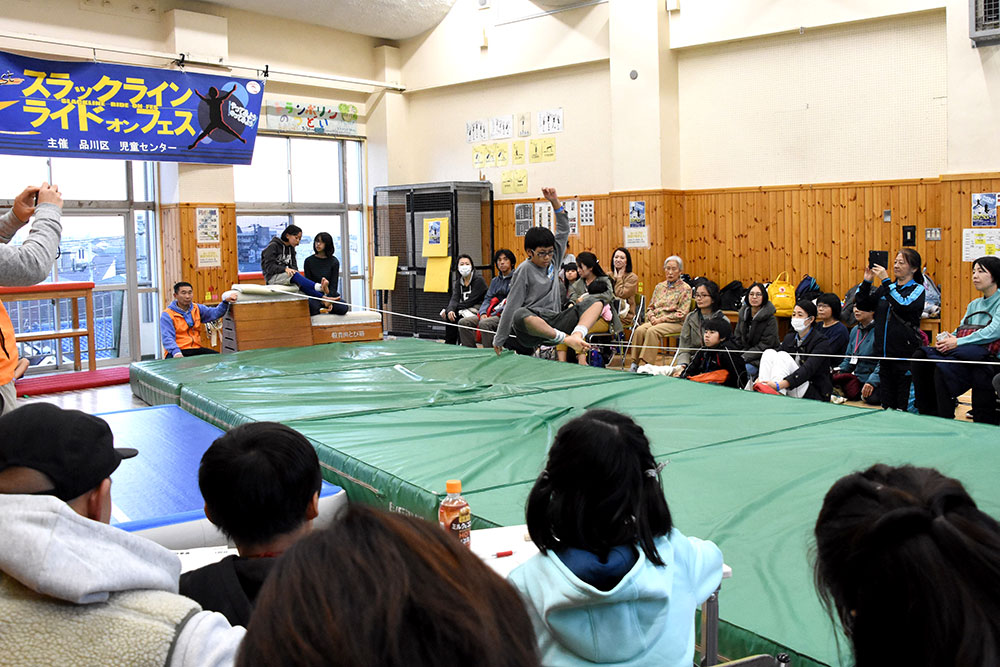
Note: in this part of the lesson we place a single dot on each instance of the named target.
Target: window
(984, 22)
(108, 238)
(314, 183)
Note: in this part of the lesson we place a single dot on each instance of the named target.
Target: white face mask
(464, 269)
(800, 323)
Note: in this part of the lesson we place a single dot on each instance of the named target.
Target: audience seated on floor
(938, 385)
(706, 307)
(718, 361)
(380, 588)
(908, 564)
(828, 321)
(756, 327)
(857, 377)
(181, 322)
(609, 551)
(665, 313)
(467, 291)
(75, 590)
(791, 369)
(261, 484)
(488, 317)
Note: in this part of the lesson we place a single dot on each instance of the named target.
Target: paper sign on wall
(491, 156)
(548, 149)
(984, 209)
(544, 215)
(502, 152)
(535, 150)
(507, 182)
(550, 121)
(384, 272)
(520, 181)
(636, 237)
(571, 212)
(479, 156)
(522, 218)
(476, 130)
(637, 214)
(517, 152)
(524, 124)
(436, 276)
(435, 237)
(501, 127)
(207, 224)
(978, 243)
(587, 213)
(209, 258)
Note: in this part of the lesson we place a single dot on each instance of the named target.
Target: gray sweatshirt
(534, 287)
(30, 262)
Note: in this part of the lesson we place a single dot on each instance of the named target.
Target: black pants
(451, 334)
(197, 351)
(894, 384)
(937, 386)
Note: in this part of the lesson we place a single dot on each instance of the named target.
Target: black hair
(539, 237)
(596, 492)
(763, 291)
(713, 292)
(807, 306)
(719, 324)
(589, 260)
(290, 230)
(327, 240)
(569, 266)
(258, 480)
(504, 252)
(468, 257)
(912, 258)
(832, 300)
(628, 259)
(181, 284)
(990, 264)
(911, 567)
(598, 286)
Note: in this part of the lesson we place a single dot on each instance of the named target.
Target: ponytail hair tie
(655, 472)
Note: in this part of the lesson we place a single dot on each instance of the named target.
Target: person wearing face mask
(797, 368)
(488, 317)
(756, 328)
(937, 385)
(857, 377)
(897, 323)
(467, 292)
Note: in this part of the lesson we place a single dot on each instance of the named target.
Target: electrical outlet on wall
(932, 234)
(909, 235)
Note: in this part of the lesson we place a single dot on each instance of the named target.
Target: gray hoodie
(54, 551)
(30, 262)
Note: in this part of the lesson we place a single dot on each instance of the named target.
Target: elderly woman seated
(665, 314)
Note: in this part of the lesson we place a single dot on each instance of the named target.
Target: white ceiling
(388, 19)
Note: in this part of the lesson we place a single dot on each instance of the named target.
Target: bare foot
(325, 310)
(324, 285)
(576, 342)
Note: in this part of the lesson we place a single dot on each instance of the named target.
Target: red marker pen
(502, 554)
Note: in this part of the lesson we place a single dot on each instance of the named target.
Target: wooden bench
(61, 290)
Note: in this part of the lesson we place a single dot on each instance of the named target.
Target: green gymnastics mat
(392, 420)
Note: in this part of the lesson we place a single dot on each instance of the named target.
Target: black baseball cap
(73, 449)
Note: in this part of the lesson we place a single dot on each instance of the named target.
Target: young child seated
(614, 582)
(719, 361)
(534, 315)
(261, 483)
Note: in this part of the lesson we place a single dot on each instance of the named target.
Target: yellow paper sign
(991, 249)
(491, 155)
(479, 156)
(507, 182)
(517, 152)
(435, 237)
(548, 149)
(384, 272)
(502, 151)
(520, 180)
(436, 279)
(535, 150)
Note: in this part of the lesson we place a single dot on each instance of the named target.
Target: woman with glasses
(706, 307)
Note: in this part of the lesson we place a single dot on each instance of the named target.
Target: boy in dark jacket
(718, 354)
(261, 484)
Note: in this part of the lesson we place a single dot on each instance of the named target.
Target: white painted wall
(702, 22)
(861, 101)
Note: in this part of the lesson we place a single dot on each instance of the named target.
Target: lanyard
(858, 339)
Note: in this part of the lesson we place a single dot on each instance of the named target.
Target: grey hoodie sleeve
(30, 262)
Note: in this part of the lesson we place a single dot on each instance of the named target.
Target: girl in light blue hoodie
(614, 582)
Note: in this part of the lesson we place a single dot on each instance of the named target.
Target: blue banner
(96, 110)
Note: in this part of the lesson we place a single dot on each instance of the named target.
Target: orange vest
(8, 347)
(187, 337)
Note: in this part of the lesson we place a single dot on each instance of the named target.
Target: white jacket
(122, 588)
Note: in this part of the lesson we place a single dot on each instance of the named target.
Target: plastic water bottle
(454, 514)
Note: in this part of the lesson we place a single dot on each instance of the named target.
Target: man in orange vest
(180, 323)
(26, 264)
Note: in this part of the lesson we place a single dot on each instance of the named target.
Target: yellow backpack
(782, 294)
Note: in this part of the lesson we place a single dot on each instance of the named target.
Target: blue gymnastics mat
(156, 493)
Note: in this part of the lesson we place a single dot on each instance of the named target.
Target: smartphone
(880, 257)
